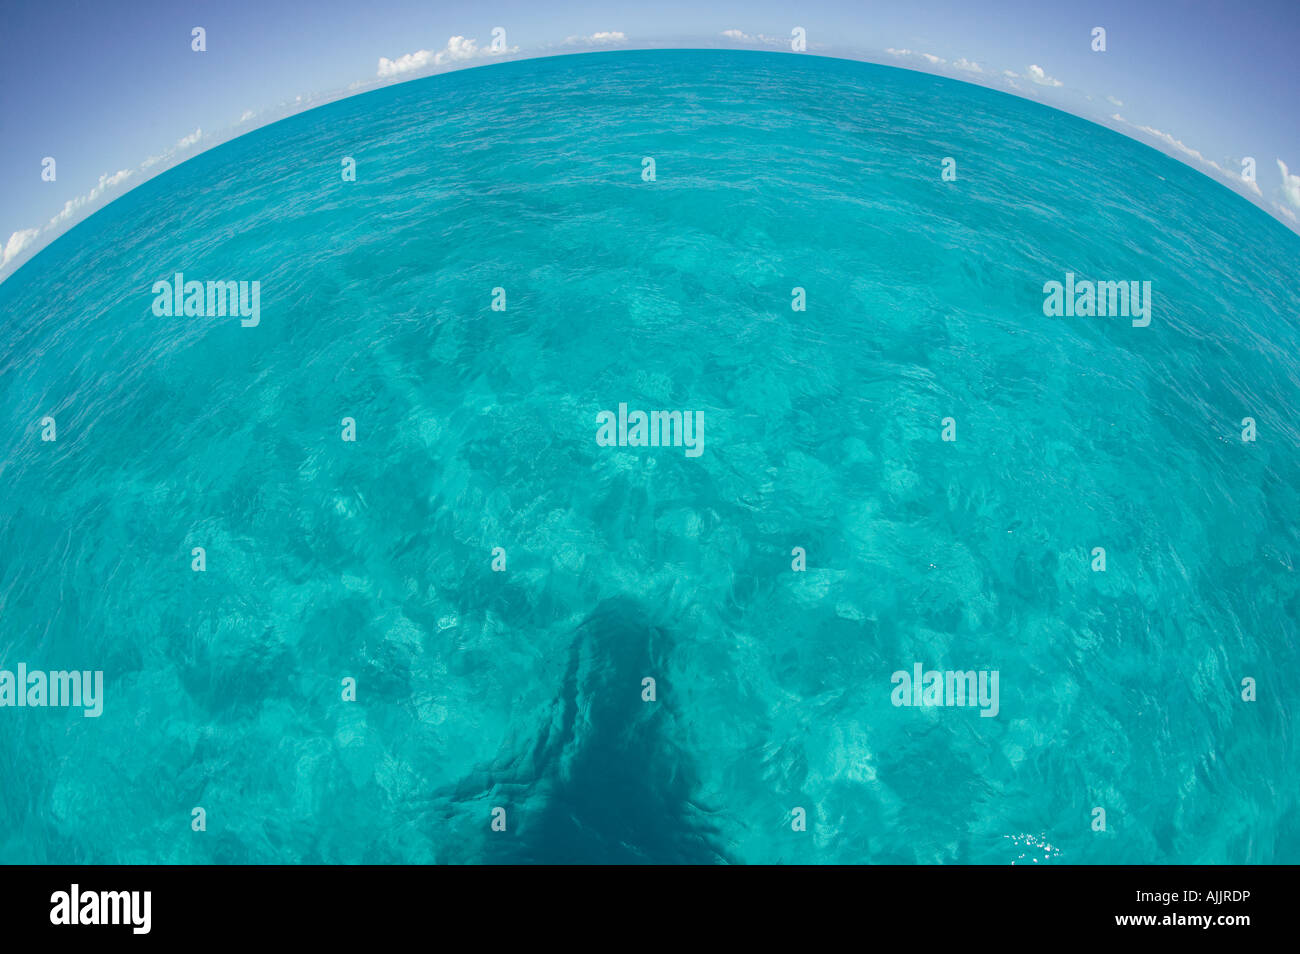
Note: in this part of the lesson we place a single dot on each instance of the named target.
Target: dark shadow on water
(606, 781)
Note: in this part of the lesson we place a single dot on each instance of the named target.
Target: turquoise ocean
(476, 429)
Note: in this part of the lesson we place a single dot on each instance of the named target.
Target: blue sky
(112, 90)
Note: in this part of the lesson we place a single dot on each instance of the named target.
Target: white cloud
(93, 199)
(928, 57)
(86, 203)
(597, 39)
(1287, 212)
(1012, 74)
(1249, 184)
(736, 35)
(247, 115)
(1177, 144)
(1228, 175)
(967, 65)
(1036, 74)
(106, 182)
(183, 143)
(1113, 101)
(1290, 185)
(458, 50)
(406, 63)
(17, 242)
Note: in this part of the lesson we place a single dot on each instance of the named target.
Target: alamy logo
(208, 299)
(102, 907)
(949, 687)
(1085, 299)
(651, 429)
(58, 689)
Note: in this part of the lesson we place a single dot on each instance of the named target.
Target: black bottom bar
(338, 904)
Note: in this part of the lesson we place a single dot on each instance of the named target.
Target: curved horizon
(638, 450)
(127, 180)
